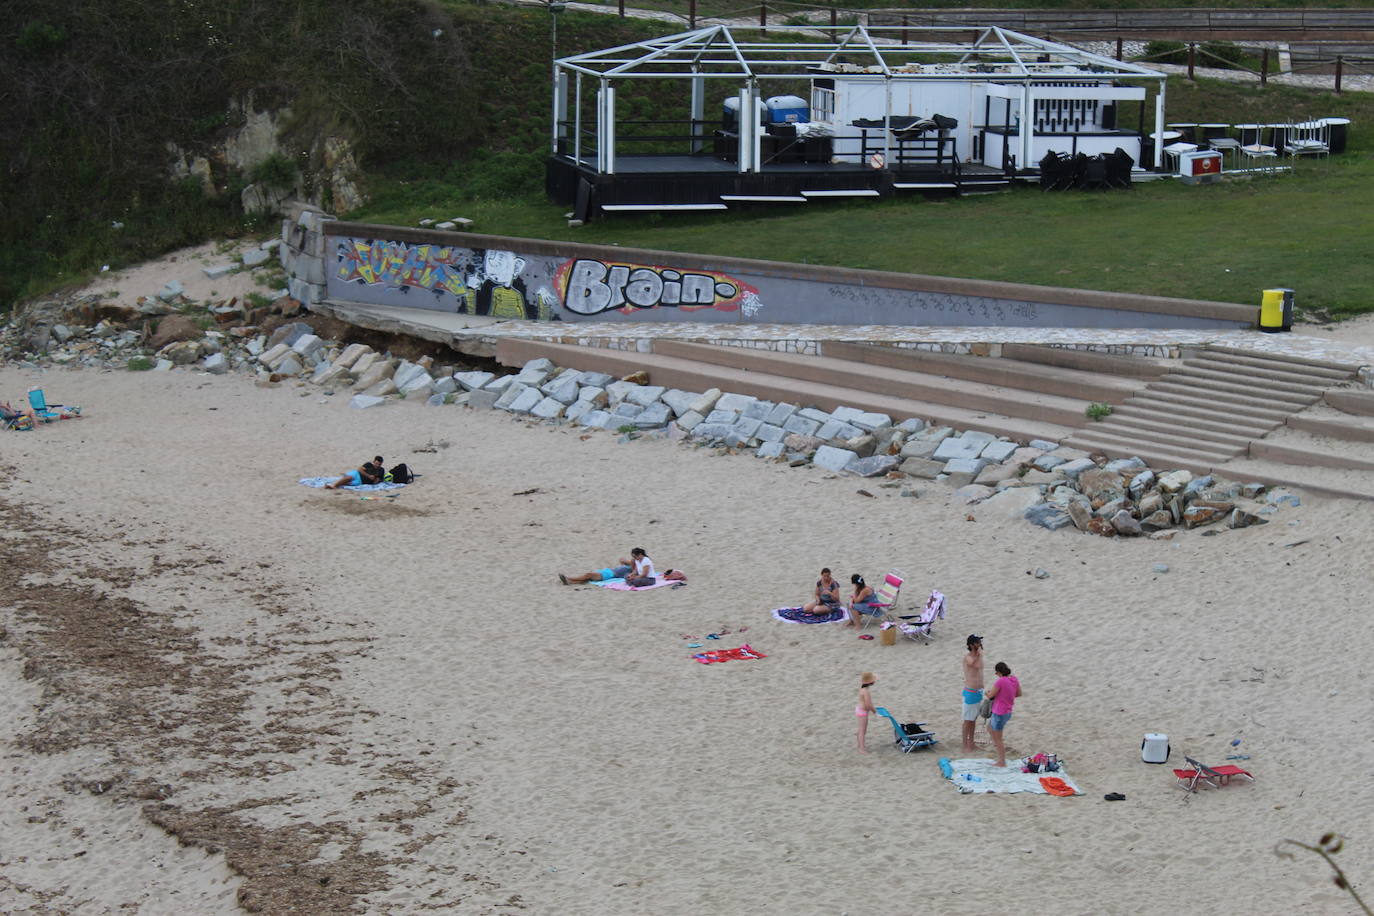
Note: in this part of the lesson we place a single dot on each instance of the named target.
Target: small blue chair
(44, 411)
(911, 736)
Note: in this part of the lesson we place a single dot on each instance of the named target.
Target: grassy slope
(1309, 230)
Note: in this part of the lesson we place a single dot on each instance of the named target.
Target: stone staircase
(1210, 408)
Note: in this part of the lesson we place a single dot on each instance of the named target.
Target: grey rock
(308, 345)
(1160, 568)
(797, 460)
(577, 410)
(406, 372)
(597, 418)
(772, 449)
(1242, 519)
(846, 414)
(863, 446)
(963, 447)
(500, 383)
(289, 334)
(924, 468)
(874, 465)
(508, 396)
(472, 381)
(417, 383)
(548, 408)
(1196, 486)
(617, 391)
(481, 399)
(1045, 445)
(960, 479)
(363, 401)
(564, 375)
(256, 257)
(746, 427)
(563, 389)
(1079, 514)
(219, 270)
(919, 448)
(712, 432)
(445, 385)
(706, 403)
(998, 450)
(780, 414)
(912, 425)
(735, 440)
(1125, 524)
(993, 474)
(597, 379)
(935, 433)
(1123, 464)
(654, 416)
(811, 413)
(215, 364)
(1041, 573)
(969, 494)
(1047, 462)
(351, 354)
(1174, 481)
(871, 421)
(539, 364)
(170, 291)
(833, 459)
(888, 439)
(1141, 482)
(1252, 490)
(290, 366)
(644, 395)
(528, 398)
(690, 420)
(436, 400)
(679, 401)
(735, 402)
(970, 466)
(593, 395)
(1072, 468)
(162, 365)
(796, 442)
(626, 411)
(1048, 515)
(837, 429)
(383, 388)
(759, 410)
(722, 416)
(802, 426)
(770, 433)
(1157, 520)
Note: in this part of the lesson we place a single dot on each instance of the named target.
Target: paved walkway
(638, 335)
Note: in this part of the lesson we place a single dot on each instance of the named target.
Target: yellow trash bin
(1276, 311)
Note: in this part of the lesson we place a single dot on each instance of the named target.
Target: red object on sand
(728, 655)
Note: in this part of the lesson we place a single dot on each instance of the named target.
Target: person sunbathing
(371, 472)
(631, 570)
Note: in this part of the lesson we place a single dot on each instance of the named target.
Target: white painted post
(1159, 126)
(698, 111)
(577, 120)
(560, 108)
(1027, 129)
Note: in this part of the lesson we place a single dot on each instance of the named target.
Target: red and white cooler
(1201, 167)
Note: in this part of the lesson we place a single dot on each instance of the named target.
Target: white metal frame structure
(1017, 67)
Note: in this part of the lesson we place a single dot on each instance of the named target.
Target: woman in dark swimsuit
(827, 595)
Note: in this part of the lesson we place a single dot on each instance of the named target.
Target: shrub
(1098, 411)
(276, 172)
(139, 364)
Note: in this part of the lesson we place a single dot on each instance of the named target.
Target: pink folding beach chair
(884, 599)
(918, 626)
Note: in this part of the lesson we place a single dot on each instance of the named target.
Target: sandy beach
(228, 690)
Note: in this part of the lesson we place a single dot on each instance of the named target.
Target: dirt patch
(375, 507)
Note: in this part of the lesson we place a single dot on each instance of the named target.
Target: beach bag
(401, 474)
(985, 711)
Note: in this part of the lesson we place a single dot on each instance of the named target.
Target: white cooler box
(1155, 748)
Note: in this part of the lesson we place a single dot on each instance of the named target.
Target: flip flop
(713, 636)
(694, 645)
(1114, 796)
(562, 578)
(865, 636)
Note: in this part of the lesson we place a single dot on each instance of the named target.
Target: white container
(1155, 748)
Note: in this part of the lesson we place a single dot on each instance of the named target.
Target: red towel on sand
(728, 655)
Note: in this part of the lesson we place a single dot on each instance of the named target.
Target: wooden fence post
(692, 14)
(621, 8)
(763, 16)
(1264, 68)
(1192, 57)
(906, 36)
(1118, 47)
(1340, 63)
(834, 17)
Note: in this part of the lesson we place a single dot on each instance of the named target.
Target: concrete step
(1230, 394)
(1156, 397)
(1197, 418)
(1349, 368)
(1305, 457)
(692, 375)
(1358, 402)
(1268, 383)
(1353, 429)
(1086, 360)
(1155, 456)
(1007, 373)
(1167, 440)
(898, 383)
(1260, 361)
(1167, 430)
(1296, 375)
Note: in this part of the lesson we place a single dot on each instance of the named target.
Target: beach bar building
(853, 112)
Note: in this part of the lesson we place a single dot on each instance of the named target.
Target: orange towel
(1056, 786)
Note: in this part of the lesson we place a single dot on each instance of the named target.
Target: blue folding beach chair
(45, 412)
(911, 736)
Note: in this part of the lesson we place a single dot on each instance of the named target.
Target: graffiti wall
(547, 281)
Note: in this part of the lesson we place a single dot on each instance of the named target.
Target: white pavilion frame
(1017, 67)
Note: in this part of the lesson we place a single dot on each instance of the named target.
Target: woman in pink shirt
(1003, 695)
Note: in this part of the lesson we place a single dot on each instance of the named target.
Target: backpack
(401, 474)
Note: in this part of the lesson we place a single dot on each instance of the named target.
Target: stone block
(722, 416)
(1204, 513)
(1045, 445)
(533, 376)
(796, 442)
(747, 427)
(644, 395)
(767, 432)
(274, 355)
(1071, 469)
(362, 401)
(801, 426)
(654, 416)
(219, 270)
(935, 433)
(1174, 481)
(539, 364)
(1046, 462)
(308, 345)
(383, 388)
(780, 414)
(759, 410)
(564, 389)
(837, 429)
(912, 425)
(617, 391)
(864, 445)
(563, 375)
(770, 450)
(833, 459)
(289, 333)
(874, 465)
(812, 413)
(690, 420)
(471, 381)
(1010, 503)
(482, 399)
(289, 366)
(735, 440)
(1124, 464)
(871, 421)
(846, 414)
(217, 364)
(706, 402)
(969, 494)
(962, 447)
(513, 391)
(548, 409)
(526, 400)
(436, 400)
(405, 371)
(1048, 516)
(919, 448)
(1125, 524)
(380, 369)
(889, 440)
(679, 401)
(445, 385)
(596, 418)
(924, 468)
(712, 431)
(1141, 482)
(1101, 485)
(1282, 498)
(597, 379)
(1080, 514)
(970, 466)
(351, 354)
(576, 410)
(256, 257)
(163, 365)
(735, 402)
(334, 375)
(998, 450)
(994, 474)
(626, 411)
(422, 383)
(1242, 519)
(364, 363)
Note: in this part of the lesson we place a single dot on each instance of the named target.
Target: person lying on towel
(371, 472)
(637, 571)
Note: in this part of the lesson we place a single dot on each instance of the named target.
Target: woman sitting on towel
(827, 595)
(863, 601)
(371, 472)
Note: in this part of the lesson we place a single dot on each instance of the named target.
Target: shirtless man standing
(973, 688)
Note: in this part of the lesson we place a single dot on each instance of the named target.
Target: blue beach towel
(320, 483)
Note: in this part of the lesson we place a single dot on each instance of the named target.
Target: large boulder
(174, 328)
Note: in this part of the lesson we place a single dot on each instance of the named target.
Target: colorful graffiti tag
(485, 282)
(590, 286)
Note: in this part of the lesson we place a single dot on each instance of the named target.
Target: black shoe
(1114, 796)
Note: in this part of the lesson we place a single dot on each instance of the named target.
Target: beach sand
(228, 689)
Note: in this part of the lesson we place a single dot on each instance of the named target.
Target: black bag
(401, 474)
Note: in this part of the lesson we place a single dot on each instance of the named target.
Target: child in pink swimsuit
(865, 707)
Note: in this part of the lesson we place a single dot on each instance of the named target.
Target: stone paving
(807, 339)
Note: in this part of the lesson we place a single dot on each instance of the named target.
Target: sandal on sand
(865, 636)
(562, 578)
(1114, 796)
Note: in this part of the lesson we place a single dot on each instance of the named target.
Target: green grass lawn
(1310, 230)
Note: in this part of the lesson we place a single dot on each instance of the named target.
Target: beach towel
(797, 615)
(978, 776)
(728, 655)
(320, 483)
(619, 585)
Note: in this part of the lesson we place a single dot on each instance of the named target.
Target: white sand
(397, 697)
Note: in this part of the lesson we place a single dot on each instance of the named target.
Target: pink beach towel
(728, 655)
